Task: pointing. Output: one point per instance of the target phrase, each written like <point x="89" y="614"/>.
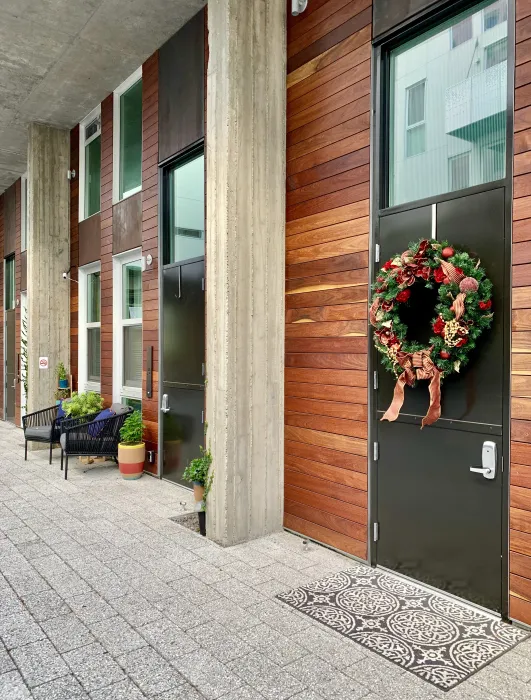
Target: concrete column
<point x="245" y="140"/>
<point x="48" y="258"/>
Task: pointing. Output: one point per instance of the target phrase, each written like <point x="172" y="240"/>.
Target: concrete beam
<point x="246" y="126"/>
<point x="48" y="258"/>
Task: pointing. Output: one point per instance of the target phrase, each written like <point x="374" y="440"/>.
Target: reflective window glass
<point x="131" y="140"/>
<point x="186" y="224"/>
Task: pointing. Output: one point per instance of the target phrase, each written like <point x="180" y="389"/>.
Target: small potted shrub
<point x="83" y="404"/>
<point x="62" y="376"/>
<point x="198" y="473"/>
<point x="132" y="449"/>
<point x="61" y="395"/>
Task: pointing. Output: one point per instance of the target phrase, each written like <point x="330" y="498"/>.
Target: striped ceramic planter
<point x="131" y="460"/>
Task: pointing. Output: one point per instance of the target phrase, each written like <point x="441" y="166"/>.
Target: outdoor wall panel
<point x="23" y="271"/>
<point x="127" y="222"/>
<point x="181" y="88"/>
<point x="18" y="307"/>
<point x="10" y="213"/>
<point x="90" y="240"/>
<point x="149" y="241"/>
<point x="74" y="255"/>
<point x="390" y="13"/>
<point x="520" y="496"/>
<point x="106" y="249"/>
<point x="327" y="231"/>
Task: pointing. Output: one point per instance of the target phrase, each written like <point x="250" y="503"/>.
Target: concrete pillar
<point x="246" y="122"/>
<point x="48" y="258"/>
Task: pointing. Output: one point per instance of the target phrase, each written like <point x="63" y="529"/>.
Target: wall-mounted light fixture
<point x="66" y="276"/>
<point x="298" y="6"/>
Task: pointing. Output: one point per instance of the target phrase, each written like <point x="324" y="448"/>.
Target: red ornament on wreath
<point x="462" y="313"/>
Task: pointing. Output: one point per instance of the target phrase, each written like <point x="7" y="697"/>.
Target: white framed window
<point x="89" y="328"/>
<point x="496" y="53"/>
<point x="459" y="171"/>
<point x="127" y="327"/>
<point x="416" y="119"/>
<point x="127" y="138"/>
<point x="24" y="212"/>
<point x="90" y="164"/>
<point x="461" y="32"/>
<point x="494" y="14"/>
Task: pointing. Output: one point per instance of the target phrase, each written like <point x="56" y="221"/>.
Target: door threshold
<point x="445" y="594"/>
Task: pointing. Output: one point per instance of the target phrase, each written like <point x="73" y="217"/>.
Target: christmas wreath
<point x="462" y="313"/>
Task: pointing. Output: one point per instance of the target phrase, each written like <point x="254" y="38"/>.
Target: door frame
<point x="165" y="166"/>
<point x="379" y="155"/>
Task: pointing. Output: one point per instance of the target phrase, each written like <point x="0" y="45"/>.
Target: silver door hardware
<point x="179" y="283"/>
<point x="375" y="380"/>
<point x="202" y="417"/>
<point x="376" y="532"/>
<point x="202" y="284"/>
<point x="377" y="253"/>
<point x="165" y="406"/>
<point x="203" y="369"/>
<point x="375" y="451"/>
<point x="488" y="461"/>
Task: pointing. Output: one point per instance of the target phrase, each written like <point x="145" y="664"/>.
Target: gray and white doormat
<point x="439" y="639"/>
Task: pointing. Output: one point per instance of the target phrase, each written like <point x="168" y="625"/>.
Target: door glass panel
<point x="93" y="297"/>
<point x="186" y="215"/>
<point x="448" y="98"/>
<point x="133" y="356"/>
<point x="131" y="140"/>
<point x="92" y="176"/>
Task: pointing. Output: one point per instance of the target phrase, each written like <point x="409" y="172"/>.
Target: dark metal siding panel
<point x="10" y="217"/>
<point x="23" y="271"/>
<point x="90" y="240"/>
<point x="388" y="14"/>
<point x="127" y="224"/>
<point x="181" y="88"/>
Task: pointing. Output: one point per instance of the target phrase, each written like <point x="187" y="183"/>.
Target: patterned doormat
<point x="439" y="639"/>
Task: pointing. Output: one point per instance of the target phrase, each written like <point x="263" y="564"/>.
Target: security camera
<point x="65" y="275"/>
<point x="298" y="6"/>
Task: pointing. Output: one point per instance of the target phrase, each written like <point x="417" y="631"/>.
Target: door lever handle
<point x="488" y="460"/>
<point x="165" y="404"/>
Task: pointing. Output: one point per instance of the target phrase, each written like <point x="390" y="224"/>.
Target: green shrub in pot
<point x="83" y="404"/>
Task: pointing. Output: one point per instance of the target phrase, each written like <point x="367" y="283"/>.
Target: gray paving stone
<point x="91" y="607"/>
<point x="515" y="665"/>
<point x="205" y="572"/>
<point x="136" y="609"/>
<point x="243" y="595"/>
<point x="208" y="675"/>
<point x="245" y="573"/>
<point x="67" y="632"/>
<point x="117" y="636"/>
<point x="182" y="692"/>
<point x="182" y="612"/>
<point x="111" y="586"/>
<point x="150" y="671"/>
<point x="193" y="590"/>
<point x="20" y="629"/>
<point x="45" y="605"/>
<point x="277" y="647"/>
<point x="12" y="687"/>
<point x="93" y="667"/>
<point x="39" y="662"/>
<point x="281" y="618"/>
<point x="326" y="680"/>
<point x="6" y="663"/>
<point x="32" y="550"/>
<point x="22" y="534"/>
<point x="168" y="639"/>
<point x="337" y="650"/>
<point x="65" y="688"/>
<point x="219" y="642"/>
<point x="124" y="690"/>
<point x="501" y="684"/>
<point x="266" y="677"/>
<point x="229" y="614"/>
<point x="244" y="692"/>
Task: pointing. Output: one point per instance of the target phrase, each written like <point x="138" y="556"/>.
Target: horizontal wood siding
<point x="106" y="247"/>
<point x="74" y="255"/>
<point x="150" y="242"/>
<point x="18" y="245"/>
<point x="520" y="489"/>
<point x="327" y="231"/>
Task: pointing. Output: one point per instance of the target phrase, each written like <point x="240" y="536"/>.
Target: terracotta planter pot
<point x="131" y="460"/>
<point x="199" y="492"/>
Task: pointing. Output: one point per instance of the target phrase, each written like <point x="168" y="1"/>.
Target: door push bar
<point x="488" y="460"/>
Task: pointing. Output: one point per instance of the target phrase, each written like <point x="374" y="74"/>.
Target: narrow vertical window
<point x="89" y="357"/>
<point x="90" y="165"/>
<point x="459" y="172"/>
<point x="9" y="295"/>
<point x="416" y="115"/>
<point x="128" y="137"/>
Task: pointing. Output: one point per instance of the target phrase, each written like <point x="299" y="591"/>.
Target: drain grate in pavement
<point x="188" y="520"/>
<point x="441" y="640"/>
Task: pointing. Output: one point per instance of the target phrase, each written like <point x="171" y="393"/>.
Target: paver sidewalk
<point x="102" y="597"/>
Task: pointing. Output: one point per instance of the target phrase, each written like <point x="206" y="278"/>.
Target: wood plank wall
<point x="106" y="248"/>
<point x="2" y="227"/>
<point x="520" y="489"/>
<point x="18" y="245"/>
<point x="150" y="241"/>
<point x="74" y="256"/>
<point x="328" y="118"/>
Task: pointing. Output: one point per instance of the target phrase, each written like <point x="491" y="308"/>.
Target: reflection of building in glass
<point x="448" y="107"/>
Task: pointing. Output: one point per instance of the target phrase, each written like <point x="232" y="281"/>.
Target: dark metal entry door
<point x="183" y="366"/>
<point x="439" y="522"/>
<point x="10" y="366"/>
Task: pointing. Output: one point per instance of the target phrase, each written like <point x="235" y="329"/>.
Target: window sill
<point x="129" y="193"/>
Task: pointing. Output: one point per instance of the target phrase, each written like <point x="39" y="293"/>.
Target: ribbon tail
<point x="434" y="410"/>
<point x="398" y="399"/>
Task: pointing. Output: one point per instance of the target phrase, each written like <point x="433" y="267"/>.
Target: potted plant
<point x="62" y="376"/>
<point x="61" y="395"/>
<point x="198" y="473"/>
<point x="132" y="449"/>
<point x="83" y="404"/>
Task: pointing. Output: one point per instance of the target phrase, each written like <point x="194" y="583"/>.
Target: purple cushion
<point x="61" y="411"/>
<point x="96" y="427"/>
